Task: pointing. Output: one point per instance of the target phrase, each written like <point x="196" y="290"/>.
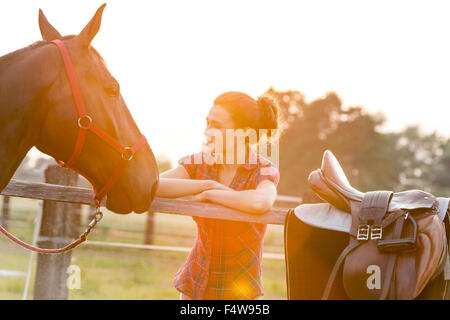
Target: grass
<point x="119" y="273"/>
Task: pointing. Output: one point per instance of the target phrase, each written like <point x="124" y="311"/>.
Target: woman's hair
<point x="248" y="112"/>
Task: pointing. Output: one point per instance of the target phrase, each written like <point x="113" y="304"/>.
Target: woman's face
<point x="219" y="133"/>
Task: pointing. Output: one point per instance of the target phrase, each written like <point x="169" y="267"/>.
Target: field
<point x="124" y="273"/>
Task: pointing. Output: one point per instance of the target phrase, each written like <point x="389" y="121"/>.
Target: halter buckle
<point x="127" y="153"/>
<point x="83" y="125"/>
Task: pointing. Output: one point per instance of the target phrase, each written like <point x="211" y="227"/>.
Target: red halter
<point x="85" y="123"/>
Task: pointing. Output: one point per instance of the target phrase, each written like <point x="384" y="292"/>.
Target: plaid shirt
<point x="225" y="262"/>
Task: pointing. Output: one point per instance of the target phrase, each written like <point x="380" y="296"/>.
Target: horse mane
<point x="15" y="54"/>
<point x="12" y="55"/>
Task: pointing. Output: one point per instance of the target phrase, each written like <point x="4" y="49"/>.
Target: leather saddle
<point x="397" y="241"/>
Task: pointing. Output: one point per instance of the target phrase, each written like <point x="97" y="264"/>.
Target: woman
<point x="225" y="262"/>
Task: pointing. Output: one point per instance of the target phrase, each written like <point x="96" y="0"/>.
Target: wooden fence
<point x="68" y="194"/>
<point x="60" y="226"/>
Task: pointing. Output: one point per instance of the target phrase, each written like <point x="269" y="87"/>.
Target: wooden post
<point x="60" y="225"/>
<point x="5" y="212"/>
<point x="149" y="227"/>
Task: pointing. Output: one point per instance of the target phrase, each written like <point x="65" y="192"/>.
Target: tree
<point x="422" y="159"/>
<point x="308" y="129"/>
<point x="440" y="173"/>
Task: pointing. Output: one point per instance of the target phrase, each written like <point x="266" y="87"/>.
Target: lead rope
<point x="98" y="216"/>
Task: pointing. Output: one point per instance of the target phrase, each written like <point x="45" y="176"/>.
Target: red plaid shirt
<point x="225" y="262"/>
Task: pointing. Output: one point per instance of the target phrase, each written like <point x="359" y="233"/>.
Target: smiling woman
<point x="228" y="252"/>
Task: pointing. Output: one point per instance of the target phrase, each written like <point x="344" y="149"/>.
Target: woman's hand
<point x="199" y="192"/>
<point x="215" y="185"/>
<point x="203" y="196"/>
<point x="200" y="197"/>
<point x="176" y="187"/>
<point x="257" y="201"/>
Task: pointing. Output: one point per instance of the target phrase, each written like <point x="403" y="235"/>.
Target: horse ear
<point x="48" y="32"/>
<point x="90" y="30"/>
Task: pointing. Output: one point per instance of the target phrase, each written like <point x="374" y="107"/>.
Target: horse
<point x="38" y="107"/>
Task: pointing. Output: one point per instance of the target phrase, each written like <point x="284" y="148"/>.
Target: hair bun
<point x="270" y="111"/>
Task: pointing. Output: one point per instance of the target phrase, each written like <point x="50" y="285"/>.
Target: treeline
<point x="409" y="159"/>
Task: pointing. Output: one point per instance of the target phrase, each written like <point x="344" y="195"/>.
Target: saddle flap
<point x="324" y="216"/>
<point x="412" y="199"/>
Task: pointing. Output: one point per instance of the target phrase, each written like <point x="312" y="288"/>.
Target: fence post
<point x="5" y="212"/>
<point x="60" y="225"/>
<point x="149" y="227"/>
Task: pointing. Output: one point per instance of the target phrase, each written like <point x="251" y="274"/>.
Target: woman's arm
<point x="256" y="201"/>
<point x="175" y="188"/>
<point x="175" y="183"/>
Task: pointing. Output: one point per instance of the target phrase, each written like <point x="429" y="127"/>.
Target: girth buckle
<point x="376" y="232"/>
<point x="366" y="231"/>
<point x="363" y="232"/>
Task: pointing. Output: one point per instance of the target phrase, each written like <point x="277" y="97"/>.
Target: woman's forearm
<point x="251" y="201"/>
<point x="175" y="188"/>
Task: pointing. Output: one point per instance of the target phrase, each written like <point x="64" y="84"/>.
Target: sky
<point x="172" y="58"/>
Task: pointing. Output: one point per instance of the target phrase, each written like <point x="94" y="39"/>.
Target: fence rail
<point x="61" y="200"/>
<point x="53" y="192"/>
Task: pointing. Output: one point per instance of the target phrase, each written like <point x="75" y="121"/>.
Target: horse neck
<point x="24" y="76"/>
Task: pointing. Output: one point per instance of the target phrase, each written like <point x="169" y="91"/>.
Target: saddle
<point x="397" y="241"/>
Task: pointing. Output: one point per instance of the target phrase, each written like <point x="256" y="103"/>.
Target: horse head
<point x="105" y="107"/>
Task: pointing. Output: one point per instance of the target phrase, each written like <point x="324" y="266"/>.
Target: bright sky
<point x="172" y="58"/>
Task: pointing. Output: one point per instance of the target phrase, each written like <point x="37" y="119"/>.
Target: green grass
<point x="119" y="273"/>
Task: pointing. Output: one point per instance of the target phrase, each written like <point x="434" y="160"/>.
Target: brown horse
<point x="37" y="109"/>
